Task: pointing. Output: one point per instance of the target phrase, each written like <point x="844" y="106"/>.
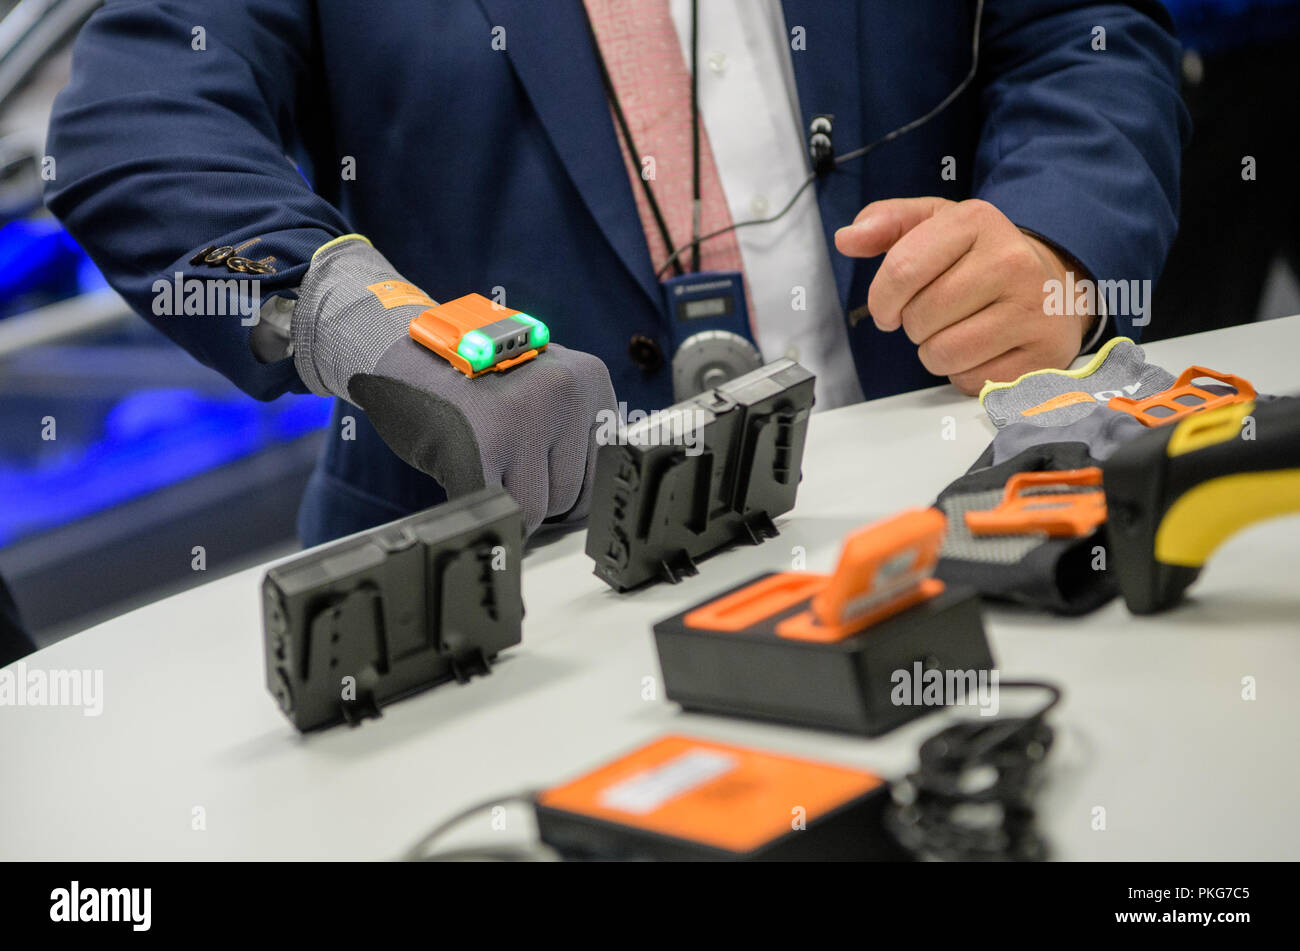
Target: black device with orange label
<point x="828" y="650"/>
<point x="703" y="474"/>
<point x="685" y="799"/>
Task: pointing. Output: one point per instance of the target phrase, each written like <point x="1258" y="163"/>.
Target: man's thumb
<point x="878" y="226"/>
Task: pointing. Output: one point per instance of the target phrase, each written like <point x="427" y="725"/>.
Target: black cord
<point x="744" y="224"/>
<point x="419" y="852"/>
<point x="970" y="798"/>
<point x="944" y="103"/>
<point x="610" y="94"/>
<point x="695" y="135"/>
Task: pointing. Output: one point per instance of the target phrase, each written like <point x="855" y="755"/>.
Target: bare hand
<point x="966" y="286"/>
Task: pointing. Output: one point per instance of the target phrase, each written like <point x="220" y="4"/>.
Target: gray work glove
<point x="530" y="429"/>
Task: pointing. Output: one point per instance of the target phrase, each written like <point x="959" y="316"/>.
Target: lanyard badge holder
<point x="710" y="330"/>
<point x="705" y="355"/>
<point x="707" y="314"/>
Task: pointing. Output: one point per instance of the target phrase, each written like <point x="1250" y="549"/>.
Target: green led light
<point x="477" y="349"/>
<point x="539" y="335"/>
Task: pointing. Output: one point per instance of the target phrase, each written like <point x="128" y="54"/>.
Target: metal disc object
<point x="710" y="358"/>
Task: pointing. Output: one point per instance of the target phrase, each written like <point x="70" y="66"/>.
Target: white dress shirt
<point x="750" y="109"/>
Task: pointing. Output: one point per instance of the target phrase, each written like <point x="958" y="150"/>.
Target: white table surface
<point x="1153" y="728"/>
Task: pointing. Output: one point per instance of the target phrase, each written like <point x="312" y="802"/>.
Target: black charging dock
<point x="857" y="651"/>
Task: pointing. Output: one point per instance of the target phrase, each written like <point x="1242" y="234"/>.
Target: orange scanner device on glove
<point x="831" y="651"/>
<point x="477" y="336"/>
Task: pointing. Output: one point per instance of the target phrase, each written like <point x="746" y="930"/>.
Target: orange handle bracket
<point x="1184" y="398"/>
<point x="883" y="569"/>
<point x="1060" y="515"/>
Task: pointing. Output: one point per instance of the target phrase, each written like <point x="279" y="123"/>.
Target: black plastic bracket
<point x="659" y="506"/>
<point x="356" y="624"/>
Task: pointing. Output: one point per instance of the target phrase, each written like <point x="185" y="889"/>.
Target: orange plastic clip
<point x="883" y="569"/>
<point x="1060" y="515"/>
<point x="1184" y="398"/>
<point x="756" y="602"/>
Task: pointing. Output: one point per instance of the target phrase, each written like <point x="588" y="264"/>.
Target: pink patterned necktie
<point x="653" y="81"/>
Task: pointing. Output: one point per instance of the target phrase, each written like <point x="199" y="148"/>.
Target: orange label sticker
<point x="399" y="294"/>
<point x="1057" y="402"/>
<point x="725" y="796"/>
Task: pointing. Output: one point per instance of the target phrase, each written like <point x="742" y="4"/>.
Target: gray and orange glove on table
<point x="1053" y="421"/>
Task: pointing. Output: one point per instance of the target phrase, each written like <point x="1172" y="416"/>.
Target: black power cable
<point x="970" y="798"/>
<point x="527" y="852"/>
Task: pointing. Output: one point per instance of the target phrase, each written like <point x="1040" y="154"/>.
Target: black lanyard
<point x="636" y="156"/>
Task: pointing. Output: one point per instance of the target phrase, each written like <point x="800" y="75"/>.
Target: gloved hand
<point x="530" y="429"/>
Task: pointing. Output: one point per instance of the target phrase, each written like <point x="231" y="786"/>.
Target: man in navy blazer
<point x="468" y="144"/>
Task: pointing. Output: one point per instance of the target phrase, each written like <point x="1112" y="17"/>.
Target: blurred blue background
<point x="119" y="454"/>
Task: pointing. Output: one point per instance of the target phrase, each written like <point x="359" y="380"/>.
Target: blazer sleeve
<point x="174" y="134"/>
<point x="1082" y="144"/>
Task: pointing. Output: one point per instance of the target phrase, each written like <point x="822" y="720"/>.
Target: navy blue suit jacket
<point x="477" y="167"/>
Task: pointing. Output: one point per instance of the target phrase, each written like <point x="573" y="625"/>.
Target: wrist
<point x="1069" y="272"/>
<point x="352" y="306"/>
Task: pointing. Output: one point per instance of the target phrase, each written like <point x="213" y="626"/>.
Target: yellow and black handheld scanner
<point x="1176" y="493"/>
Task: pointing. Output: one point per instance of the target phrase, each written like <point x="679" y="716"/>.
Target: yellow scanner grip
<point x="1206" y="516"/>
